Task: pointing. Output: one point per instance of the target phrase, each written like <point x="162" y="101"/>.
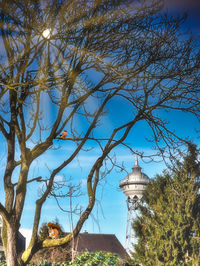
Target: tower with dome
<point x="133" y="186"/>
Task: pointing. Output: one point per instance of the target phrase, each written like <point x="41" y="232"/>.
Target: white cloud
<point x="59" y="178"/>
<point x="83" y="182"/>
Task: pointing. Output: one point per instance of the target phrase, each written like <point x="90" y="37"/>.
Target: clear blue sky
<point x="111" y="209"/>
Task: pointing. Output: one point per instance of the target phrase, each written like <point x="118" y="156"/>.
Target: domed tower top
<point x="134" y="183"/>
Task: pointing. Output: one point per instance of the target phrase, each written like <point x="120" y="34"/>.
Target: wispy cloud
<point x="83" y="182"/>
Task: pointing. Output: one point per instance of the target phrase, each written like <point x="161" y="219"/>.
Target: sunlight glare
<point x="46" y="34"/>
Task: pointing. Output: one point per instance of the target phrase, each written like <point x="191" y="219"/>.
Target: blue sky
<point x="111" y="209"/>
<point x="191" y="7"/>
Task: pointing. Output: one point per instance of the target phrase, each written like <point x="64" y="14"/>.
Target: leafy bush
<point x="46" y="263"/>
<point x="99" y="258"/>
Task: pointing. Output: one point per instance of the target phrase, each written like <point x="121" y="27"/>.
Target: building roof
<point x="100" y="242"/>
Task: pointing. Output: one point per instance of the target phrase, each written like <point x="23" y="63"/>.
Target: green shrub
<point x="99" y="258"/>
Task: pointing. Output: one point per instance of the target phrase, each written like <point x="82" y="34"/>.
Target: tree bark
<point x="11" y="249"/>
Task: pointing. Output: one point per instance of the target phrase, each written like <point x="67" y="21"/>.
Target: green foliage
<point x="97" y="258"/>
<point x="43" y="232"/>
<point x="47" y="263"/>
<point x="168" y="229"/>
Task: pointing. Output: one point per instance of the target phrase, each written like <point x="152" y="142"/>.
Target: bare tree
<point x="116" y="53"/>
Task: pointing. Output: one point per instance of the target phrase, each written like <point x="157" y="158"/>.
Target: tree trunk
<point x="11" y="249"/>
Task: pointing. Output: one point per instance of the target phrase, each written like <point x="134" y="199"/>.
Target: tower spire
<point x="136" y="167"/>
<point x="136" y="160"/>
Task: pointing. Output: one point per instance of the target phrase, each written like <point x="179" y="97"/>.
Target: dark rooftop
<point x="100" y="242"/>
